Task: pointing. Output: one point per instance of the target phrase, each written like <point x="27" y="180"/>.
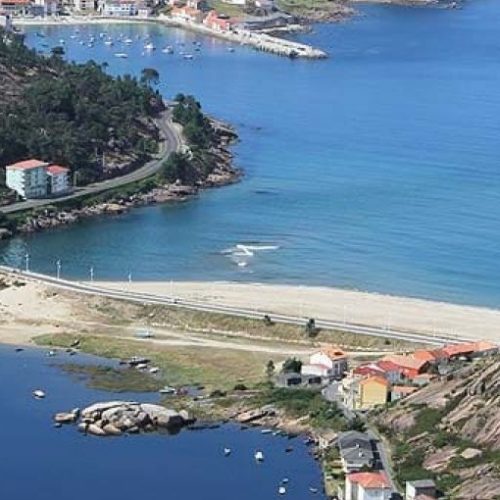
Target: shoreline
<point x="415" y="315"/>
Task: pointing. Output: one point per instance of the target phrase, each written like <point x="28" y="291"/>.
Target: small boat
<point x="128" y="41"/>
<point x="121" y="55"/>
<point x="51" y="354"/>
<point x="141" y="366"/>
<point x="19" y="349"/>
<point x="227" y="452"/>
<point x="61" y="41"/>
<point x="149" y="46"/>
<point x="38" y="394"/>
<point x="167" y="390"/>
<point x="289" y="449"/>
<point x="230" y="49"/>
<point x="90" y="44"/>
<point x="259" y="456"/>
<point x="281" y="490"/>
<point x="313" y="490"/>
<point x="108" y="43"/>
<point x="188" y="56"/>
<point x="168" y="50"/>
<point x="285" y="480"/>
<point x="154" y="369"/>
<point x="41" y="35"/>
<point x="266" y="431"/>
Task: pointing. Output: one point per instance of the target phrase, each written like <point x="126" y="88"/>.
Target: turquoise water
<point x="377" y="169"/>
<point x="40" y="462"/>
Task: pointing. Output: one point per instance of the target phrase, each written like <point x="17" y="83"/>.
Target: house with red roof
<point x="16" y="7"/>
<point x="468" y="350"/>
<point x="58" y="181"/>
<point x="329" y="362"/>
<point x="27" y="178"/>
<point x="367" y="486"/>
<point x="407" y="365"/>
<point x="213" y="21"/>
<point x="186" y="14"/>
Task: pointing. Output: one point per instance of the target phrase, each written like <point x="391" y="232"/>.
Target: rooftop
<point x="406" y="361"/>
<point x="422" y="483"/>
<point x="370" y="480"/>
<point x="333" y="352"/>
<point x="27" y="164"/>
<point x="57" y="169"/>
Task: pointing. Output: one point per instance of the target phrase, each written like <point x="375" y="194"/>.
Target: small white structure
<point x="235" y="2"/>
<point x="6" y="22"/>
<point x="27" y="178"/>
<point x="367" y="486"/>
<point x="16" y="7"/>
<point x="57" y="180"/>
<point x="119" y="8"/>
<point x="330" y="362"/>
<point x="420" y="488"/>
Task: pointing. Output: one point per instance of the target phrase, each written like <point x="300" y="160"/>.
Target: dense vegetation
<point x="195" y="165"/>
<point x="72" y="114"/>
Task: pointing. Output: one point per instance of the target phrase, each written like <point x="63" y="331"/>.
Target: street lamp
<point x="130" y="278"/>
<point x="92" y="274"/>
<point x="58" y="268"/>
<point x="27" y="262"/>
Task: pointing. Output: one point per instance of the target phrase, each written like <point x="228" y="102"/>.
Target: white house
<point x="422" y="488"/>
<point x="330" y="362"/>
<point x="367" y="486"/>
<point x="117" y="8"/>
<point x="28" y="178"/>
<point x="58" y="181"/>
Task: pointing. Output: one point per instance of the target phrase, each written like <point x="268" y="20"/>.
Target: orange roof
<point x="27" y="164"/>
<point x="370" y="480"/>
<point x="375" y="378"/>
<point x="483" y="345"/>
<point x="57" y="169"/>
<point x="403" y="389"/>
<point x="468" y="347"/>
<point x="15" y="2"/>
<point x="405" y="361"/>
<point x="424" y="355"/>
<point x="333" y="352"/>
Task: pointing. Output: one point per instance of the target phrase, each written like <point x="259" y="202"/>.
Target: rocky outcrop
<point x="114" y="418"/>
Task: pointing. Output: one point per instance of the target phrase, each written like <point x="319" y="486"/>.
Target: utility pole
<point x="129" y="278"/>
<point x="27" y="262"/>
<point x="58" y="269"/>
<point x="92" y="274"/>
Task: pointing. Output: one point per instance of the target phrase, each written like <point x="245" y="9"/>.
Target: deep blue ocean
<point x="40" y="462"/>
<point x="377" y="169"/>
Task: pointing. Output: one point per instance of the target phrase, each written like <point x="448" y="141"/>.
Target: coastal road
<point x="145" y="298"/>
<point x="171" y="141"/>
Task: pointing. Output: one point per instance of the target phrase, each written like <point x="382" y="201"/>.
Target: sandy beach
<point x="416" y="315"/>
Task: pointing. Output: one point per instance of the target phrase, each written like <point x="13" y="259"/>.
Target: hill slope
<point x="450" y="430"/>
<point x="73" y="114"/>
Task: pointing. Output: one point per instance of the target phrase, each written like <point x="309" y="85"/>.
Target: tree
<point x="149" y="76"/>
<point x="357" y="424"/>
<point x="292" y="365"/>
<point x="311" y="330"/>
<point x="270" y="368"/>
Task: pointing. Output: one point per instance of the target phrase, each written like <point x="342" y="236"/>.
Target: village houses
<point x="329" y="363"/>
<point x="367" y="486"/>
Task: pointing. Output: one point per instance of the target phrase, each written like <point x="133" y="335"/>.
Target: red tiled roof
<point x="333" y="352"/>
<point x="424" y="355"/>
<point x="406" y="361"/>
<point x="370" y="480"/>
<point x="27" y="164"/>
<point x="371" y="369"/>
<point x="467" y="348"/>
<point x="57" y="169"/>
<point x="387" y="366"/>
<point x="15" y="2"/>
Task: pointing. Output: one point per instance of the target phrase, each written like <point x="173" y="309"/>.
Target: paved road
<point x="171" y="142"/>
<point x="95" y="289"/>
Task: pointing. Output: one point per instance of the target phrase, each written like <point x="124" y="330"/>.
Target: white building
<point x="235" y="2"/>
<point x="27" y="178"/>
<point x="46" y="7"/>
<point x="117" y="8"/>
<point x="58" y="181"/>
<point x="84" y="5"/>
<point x="6" y="22"/>
<point x="330" y="362"/>
<point x="420" y="489"/>
<point x="367" y="486"/>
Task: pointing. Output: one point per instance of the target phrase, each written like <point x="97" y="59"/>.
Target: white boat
<point x="167" y="390"/>
<point x="122" y="55"/>
<point x="128" y="41"/>
<point x="108" y="42"/>
<point x="188" y="56"/>
<point x="259" y="456"/>
<point x="227" y="452"/>
<point x="281" y="490"/>
<point x="168" y="50"/>
<point x="266" y="431"/>
<point x="38" y="394"/>
<point x="51" y="353"/>
<point x="141" y="366"/>
<point x="230" y="49"/>
<point x="154" y="369"/>
<point x="149" y="46"/>
<point x="61" y="41"/>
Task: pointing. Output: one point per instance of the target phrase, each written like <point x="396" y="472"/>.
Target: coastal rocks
<point x="114" y="418"/>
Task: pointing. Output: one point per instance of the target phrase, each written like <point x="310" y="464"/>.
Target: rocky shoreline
<point x="224" y="174"/>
